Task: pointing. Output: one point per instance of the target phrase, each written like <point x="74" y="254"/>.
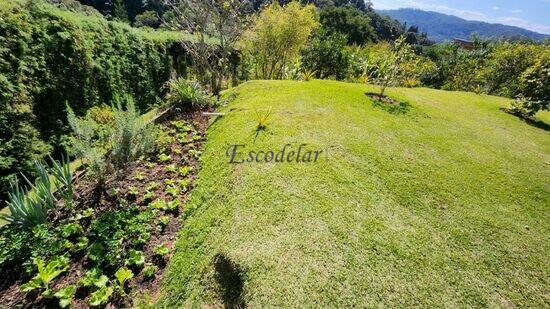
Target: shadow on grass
<point x="529" y="120"/>
<point x="388" y="104"/>
<point x="228" y="277"/>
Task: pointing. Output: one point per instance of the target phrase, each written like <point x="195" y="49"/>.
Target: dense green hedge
<point x="50" y="57"/>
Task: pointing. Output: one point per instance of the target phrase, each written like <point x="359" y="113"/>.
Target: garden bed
<point x="130" y="224"/>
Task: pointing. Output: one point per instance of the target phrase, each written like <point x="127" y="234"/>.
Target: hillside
<point x="442" y="205"/>
<point x="442" y="27"/>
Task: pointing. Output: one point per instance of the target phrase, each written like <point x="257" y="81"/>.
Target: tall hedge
<point x="50" y="57"/>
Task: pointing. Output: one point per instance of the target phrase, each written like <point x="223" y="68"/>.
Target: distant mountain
<point x="442" y="27"/>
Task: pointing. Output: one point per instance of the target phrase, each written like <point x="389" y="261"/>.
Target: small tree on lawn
<point x="389" y="68"/>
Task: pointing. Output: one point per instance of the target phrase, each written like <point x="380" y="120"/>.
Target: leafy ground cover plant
<point x="47" y="272"/>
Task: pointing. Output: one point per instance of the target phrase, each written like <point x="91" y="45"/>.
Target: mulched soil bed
<point x="86" y="197"/>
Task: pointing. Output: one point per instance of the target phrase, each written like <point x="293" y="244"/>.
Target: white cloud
<point x="495" y="8"/>
<point x="466" y="14"/>
<point x="522" y="23"/>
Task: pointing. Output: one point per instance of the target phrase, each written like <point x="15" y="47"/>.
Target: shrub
<point x="90" y="142"/>
<point x="110" y="140"/>
<point x="506" y="64"/>
<point x="132" y="137"/>
<point x="276" y="38"/>
<point x="389" y="69"/>
<point x="535" y="86"/>
<point x="184" y="93"/>
<point x="327" y="56"/>
<point x="147" y="19"/>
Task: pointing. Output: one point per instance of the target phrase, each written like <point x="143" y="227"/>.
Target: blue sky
<point x="530" y="14"/>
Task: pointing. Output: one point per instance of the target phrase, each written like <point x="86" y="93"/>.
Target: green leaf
<point x="136" y="258"/>
<point x="94" y="278"/>
<point x="70" y="229"/>
<point x="122" y="275"/>
<point x="149" y="270"/>
<point x="65" y="295"/>
<point x="82" y="243"/>
<point x="162" y="250"/>
<point x="46" y="273"/>
<point x="101" y="296"/>
<point x="33" y="284"/>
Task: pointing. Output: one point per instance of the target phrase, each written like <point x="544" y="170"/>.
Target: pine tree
<point x="119" y="10"/>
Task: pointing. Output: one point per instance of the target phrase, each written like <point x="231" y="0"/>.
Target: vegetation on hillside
<point x="357" y="221"/>
<point x="50" y="57"/>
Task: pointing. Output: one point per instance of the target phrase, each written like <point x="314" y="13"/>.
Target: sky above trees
<point x="529" y="14"/>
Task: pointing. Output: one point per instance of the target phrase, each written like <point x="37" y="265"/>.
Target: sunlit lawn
<point x="445" y="205"/>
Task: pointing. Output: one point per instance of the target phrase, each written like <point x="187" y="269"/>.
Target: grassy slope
<point x="447" y="205"/>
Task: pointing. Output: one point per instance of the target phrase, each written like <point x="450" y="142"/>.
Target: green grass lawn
<point x="446" y="205"/>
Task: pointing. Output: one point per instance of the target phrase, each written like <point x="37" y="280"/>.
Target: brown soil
<point x="87" y="197"/>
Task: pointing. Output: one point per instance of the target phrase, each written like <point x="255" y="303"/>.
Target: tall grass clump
<point x="186" y="94"/>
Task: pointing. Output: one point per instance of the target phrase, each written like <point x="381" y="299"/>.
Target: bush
<point x="147" y="19"/>
<point x="505" y="65"/>
<point x="327" y="56"/>
<point x="390" y="68"/>
<point x="535" y="86"/>
<point x="115" y="138"/>
<point x="184" y="93"/>
<point x="276" y="38"/>
<point x="90" y="142"/>
<point x="50" y="56"/>
<point x="132" y="136"/>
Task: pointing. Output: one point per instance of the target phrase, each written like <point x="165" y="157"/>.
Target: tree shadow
<point x="228" y="278"/>
<point x="529" y="120"/>
<point x="388" y="104"/>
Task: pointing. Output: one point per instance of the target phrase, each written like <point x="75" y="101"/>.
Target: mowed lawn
<point x="445" y="205"/>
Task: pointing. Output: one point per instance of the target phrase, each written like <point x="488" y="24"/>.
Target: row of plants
<point x="110" y="233"/>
